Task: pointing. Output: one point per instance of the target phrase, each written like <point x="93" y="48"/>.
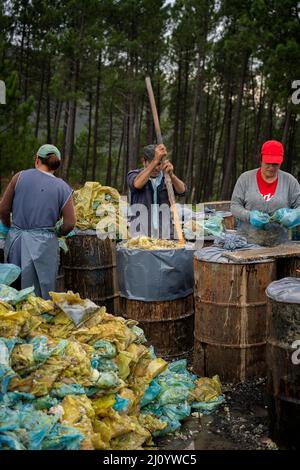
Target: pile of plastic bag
<point x="100" y="208"/>
<point x="148" y="243"/>
<point x="86" y="380"/>
<point x="199" y="228"/>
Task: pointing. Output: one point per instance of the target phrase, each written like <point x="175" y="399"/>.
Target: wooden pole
<point x="168" y="181"/>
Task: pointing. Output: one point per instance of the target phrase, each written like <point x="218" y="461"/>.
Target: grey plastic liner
<point x="155" y="275"/>
<point x="214" y="254"/>
<point x="285" y="290"/>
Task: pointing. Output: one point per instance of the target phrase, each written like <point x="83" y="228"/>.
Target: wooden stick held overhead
<point x="168" y="181"/>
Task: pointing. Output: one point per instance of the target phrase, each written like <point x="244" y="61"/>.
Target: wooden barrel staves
<point x="283" y="360"/>
<point x="168" y="325"/>
<point x="156" y="289"/>
<point x="60" y="278"/>
<point x="230" y="318"/>
<point x="90" y="269"/>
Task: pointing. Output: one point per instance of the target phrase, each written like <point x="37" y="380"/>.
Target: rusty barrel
<point x="156" y="289"/>
<point x="230" y="316"/>
<point x="90" y="269"/>
<point x="60" y="278"/>
<point x="168" y="326"/>
<point x="288" y="267"/>
<point x="283" y="360"/>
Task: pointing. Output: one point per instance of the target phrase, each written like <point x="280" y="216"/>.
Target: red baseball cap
<point x="272" y="152"/>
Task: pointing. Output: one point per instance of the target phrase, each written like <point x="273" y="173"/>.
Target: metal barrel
<point x="168" y="325"/>
<point x="156" y="289"/>
<point x="283" y="361"/>
<point x="230" y="318"/>
<point x="287" y="267"/>
<point x="90" y="269"/>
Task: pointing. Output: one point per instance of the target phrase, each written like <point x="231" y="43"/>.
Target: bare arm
<point x="178" y="185"/>
<point x="7" y="201"/>
<point x="69" y="218"/>
<point x="143" y="176"/>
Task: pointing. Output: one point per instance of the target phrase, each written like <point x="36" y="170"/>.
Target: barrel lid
<point x="215" y="254"/>
<point x="285" y="290"/>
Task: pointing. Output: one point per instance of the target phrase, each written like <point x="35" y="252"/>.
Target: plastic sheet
<point x="285" y="290"/>
<point x="155" y="275"/>
<point x="196" y="229"/>
<point x="9" y="273"/>
<point x="271" y="234"/>
<point x="13" y="296"/>
<point x="96" y="403"/>
<point x="73" y="306"/>
<point x="215" y="254"/>
<point x="100" y="207"/>
<point x="230" y="241"/>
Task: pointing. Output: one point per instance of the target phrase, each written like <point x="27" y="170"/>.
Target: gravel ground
<point x="241" y="423"/>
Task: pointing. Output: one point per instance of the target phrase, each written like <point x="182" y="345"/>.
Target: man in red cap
<point x="267" y="195"/>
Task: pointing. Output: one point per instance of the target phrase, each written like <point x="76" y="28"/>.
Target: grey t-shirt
<point x="246" y="195"/>
<point x="39" y="199"/>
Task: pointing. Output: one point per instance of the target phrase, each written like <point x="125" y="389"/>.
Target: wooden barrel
<point x="90" y="269"/>
<point x="288" y="267"/>
<point x="168" y="325"/>
<point x="230" y="318"/>
<point x="60" y="278"/>
<point x="284" y="371"/>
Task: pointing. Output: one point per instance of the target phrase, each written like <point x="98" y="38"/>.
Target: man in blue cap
<point x="31" y="206"/>
<point x="148" y="189"/>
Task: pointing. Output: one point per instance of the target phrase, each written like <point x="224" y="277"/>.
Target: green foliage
<point x="49" y="54"/>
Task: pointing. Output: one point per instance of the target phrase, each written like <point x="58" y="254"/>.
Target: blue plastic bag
<point x="9" y="273"/>
<point x="121" y="404"/>
<point x="150" y="394"/>
<point x="3" y="230"/>
<point x="208" y="407"/>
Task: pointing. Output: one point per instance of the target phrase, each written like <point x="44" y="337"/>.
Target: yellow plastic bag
<point x="206" y="389"/>
<point x="79" y="413"/>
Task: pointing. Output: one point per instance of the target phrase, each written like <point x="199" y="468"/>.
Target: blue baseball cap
<point x="47" y="149"/>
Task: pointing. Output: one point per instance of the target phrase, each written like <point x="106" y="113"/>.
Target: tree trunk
<point x="177" y="113"/>
<point x="88" y="144"/>
<point x="48" y="106"/>
<point x="287" y="122"/>
<point x="109" y="163"/>
<point x="96" y="121"/>
<point x="70" y="131"/>
<point x="226" y="186"/>
<point x="38" y="112"/>
<point x="58" y="110"/>
<point x="269" y="131"/>
<point x="196" y="109"/>
<point x="119" y="154"/>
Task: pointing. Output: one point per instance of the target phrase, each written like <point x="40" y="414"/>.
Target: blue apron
<point x="36" y="251"/>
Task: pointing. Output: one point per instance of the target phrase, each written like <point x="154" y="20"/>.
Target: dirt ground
<point x="241" y="423"/>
